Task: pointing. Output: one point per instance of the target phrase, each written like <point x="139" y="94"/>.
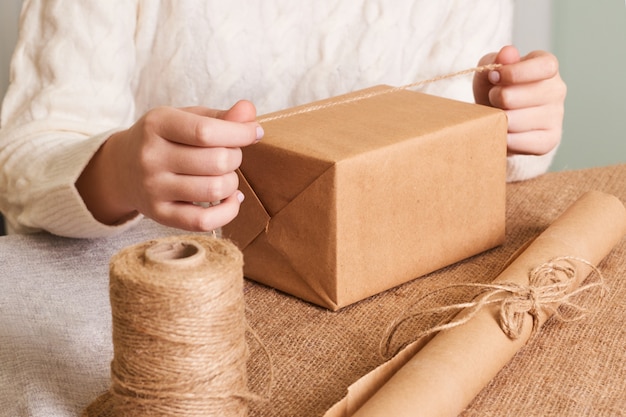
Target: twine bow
<point x="549" y="292"/>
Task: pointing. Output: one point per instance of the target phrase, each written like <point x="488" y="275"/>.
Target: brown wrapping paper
<point x="440" y="375"/>
<point x="313" y="225"/>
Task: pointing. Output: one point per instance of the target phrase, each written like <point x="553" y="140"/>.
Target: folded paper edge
<point x="252" y="220"/>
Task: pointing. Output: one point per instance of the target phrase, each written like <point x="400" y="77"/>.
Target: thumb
<point x="242" y="111"/>
<point x="483" y="81"/>
<point x="481" y="84"/>
<point x="507" y="55"/>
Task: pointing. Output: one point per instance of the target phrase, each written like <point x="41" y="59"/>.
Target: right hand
<point x="531" y="92"/>
<point x="169" y="159"/>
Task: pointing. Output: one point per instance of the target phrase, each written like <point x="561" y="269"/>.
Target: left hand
<point x="531" y="92"/>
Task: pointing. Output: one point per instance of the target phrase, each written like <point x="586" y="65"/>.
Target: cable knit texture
<point x="82" y="70"/>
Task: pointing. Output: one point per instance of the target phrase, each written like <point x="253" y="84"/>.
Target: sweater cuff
<point x="60" y="209"/>
<point x="524" y="167"/>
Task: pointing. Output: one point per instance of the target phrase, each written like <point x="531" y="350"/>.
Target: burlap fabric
<point x="55" y="329"/>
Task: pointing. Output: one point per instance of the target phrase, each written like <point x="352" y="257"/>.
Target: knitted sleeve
<point x="70" y="88"/>
<point x="524" y="167"/>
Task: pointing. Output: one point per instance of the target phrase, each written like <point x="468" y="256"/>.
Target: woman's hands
<point x="531" y="92"/>
<point x="166" y="161"/>
<point x="171" y="158"/>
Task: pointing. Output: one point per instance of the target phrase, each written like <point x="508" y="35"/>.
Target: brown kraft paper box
<point x="346" y="201"/>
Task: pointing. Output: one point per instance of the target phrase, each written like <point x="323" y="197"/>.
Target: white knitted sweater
<point x="83" y="69"/>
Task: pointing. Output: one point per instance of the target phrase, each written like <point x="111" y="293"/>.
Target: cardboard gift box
<point x="366" y="191"/>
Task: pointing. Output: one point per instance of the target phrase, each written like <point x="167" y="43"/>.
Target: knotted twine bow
<point x="548" y="292"/>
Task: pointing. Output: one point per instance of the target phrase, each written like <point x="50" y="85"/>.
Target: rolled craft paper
<point x="444" y="376"/>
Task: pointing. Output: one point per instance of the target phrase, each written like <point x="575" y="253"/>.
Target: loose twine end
<point x="548" y="293"/>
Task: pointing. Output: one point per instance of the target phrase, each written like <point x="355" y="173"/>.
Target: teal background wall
<point x="589" y="38"/>
<point x="9" y="15"/>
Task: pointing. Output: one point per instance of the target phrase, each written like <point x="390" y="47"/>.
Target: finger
<point x="188" y="128"/>
<point x="506" y="56"/>
<point x="536" y="66"/>
<point x="533" y="142"/>
<point x="513" y="97"/>
<point x="195" y="218"/>
<point x="198" y="189"/>
<point x="525" y="95"/>
<point x="481" y="83"/>
<point x="534" y="118"/>
<point x="193" y="160"/>
<point x="488" y="59"/>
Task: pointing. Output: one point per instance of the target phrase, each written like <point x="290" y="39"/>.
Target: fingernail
<point x="240" y="196"/>
<point x="494" y="77"/>
<point x="259" y="133"/>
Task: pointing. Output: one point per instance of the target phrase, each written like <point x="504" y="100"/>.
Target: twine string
<point x="364" y="95"/>
<point x="549" y="292"/>
<point x="179" y="337"/>
<point x="268" y="357"/>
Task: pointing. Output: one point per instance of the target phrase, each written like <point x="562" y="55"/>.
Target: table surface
<point x="55" y="325"/>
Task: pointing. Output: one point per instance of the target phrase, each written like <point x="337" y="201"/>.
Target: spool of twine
<point x="178" y="331"/>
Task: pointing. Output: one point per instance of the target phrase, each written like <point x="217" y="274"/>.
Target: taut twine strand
<point x="178" y="331"/>
<point x="548" y="292"/>
<point x="364" y="95"/>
